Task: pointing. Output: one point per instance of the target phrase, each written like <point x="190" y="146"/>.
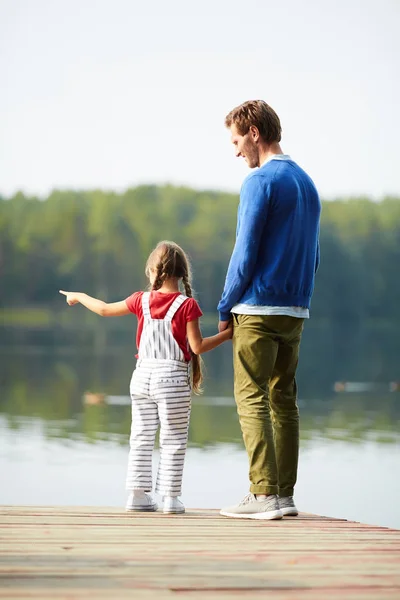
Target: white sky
<point x="113" y="93"/>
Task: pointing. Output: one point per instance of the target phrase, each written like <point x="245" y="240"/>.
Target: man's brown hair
<point x="259" y="114"/>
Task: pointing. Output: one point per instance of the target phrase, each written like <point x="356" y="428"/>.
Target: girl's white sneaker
<point x="172" y="505"/>
<point x="139" y="500"/>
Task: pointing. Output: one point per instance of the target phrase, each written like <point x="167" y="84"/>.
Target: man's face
<point x="246" y="146"/>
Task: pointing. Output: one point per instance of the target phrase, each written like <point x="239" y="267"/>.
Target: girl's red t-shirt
<point x="159" y="305"/>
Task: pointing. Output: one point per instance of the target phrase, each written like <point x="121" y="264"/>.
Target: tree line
<point x="98" y="242"/>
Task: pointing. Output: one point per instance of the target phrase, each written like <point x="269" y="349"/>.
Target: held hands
<point x="226" y="327"/>
<point x="71" y="297"/>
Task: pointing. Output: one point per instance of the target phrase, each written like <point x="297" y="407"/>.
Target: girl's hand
<point x="71" y="297"/>
<point x="229" y="331"/>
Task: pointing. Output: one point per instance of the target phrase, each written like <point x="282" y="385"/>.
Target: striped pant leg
<point x="143" y="432"/>
<point x="174" y="413"/>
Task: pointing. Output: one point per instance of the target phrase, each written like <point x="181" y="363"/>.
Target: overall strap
<point x="177" y="303"/>
<point x="146" y="305"/>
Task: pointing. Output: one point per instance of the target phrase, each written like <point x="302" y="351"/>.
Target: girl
<point x="169" y="340"/>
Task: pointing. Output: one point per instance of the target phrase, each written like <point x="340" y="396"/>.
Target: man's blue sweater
<point x="276" y="253"/>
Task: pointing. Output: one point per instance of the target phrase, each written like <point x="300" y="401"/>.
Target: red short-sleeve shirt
<point x="159" y="305"/>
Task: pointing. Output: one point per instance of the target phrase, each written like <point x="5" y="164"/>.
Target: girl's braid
<point x="160" y="277"/>
<point x="187" y="286"/>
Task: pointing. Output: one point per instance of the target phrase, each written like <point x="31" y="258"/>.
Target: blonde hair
<point x="259" y="114"/>
<point x="169" y="260"/>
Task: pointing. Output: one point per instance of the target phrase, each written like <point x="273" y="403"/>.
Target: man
<point x="268" y="288"/>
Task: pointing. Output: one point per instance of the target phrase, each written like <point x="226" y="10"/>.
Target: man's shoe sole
<point x="151" y="508"/>
<point x="176" y="511"/>
<point x="289" y="512"/>
<point x="265" y="516"/>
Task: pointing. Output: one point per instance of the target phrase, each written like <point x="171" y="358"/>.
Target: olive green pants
<point x="265" y="357"/>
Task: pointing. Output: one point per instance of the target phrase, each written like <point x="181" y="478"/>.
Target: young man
<point x="268" y="288"/>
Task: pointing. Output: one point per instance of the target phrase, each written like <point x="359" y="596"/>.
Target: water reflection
<point x="58" y="448"/>
<point x="212" y="423"/>
<point x="85" y="397"/>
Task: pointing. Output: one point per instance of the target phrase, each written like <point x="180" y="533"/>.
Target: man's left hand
<point x="222" y="325"/>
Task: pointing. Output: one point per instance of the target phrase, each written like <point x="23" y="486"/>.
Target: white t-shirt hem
<point x="288" y="311"/>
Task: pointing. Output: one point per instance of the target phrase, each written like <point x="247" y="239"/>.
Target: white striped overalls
<point x="160" y="392"/>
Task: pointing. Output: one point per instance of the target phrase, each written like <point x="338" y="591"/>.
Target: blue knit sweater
<point x="276" y="254"/>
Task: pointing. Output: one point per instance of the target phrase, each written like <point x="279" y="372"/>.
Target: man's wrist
<point x="225" y="316"/>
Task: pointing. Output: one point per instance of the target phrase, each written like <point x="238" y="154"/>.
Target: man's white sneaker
<point x="287" y="506"/>
<point x="173" y="505"/>
<point x="139" y="500"/>
<point x="251" y="508"/>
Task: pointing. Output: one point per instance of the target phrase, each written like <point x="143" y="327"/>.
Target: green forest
<point x="98" y="242"/>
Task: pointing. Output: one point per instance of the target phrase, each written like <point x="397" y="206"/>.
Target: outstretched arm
<point x="104" y="309"/>
<point x="198" y="344"/>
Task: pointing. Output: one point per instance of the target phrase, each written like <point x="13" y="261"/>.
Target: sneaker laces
<point x="248" y="498"/>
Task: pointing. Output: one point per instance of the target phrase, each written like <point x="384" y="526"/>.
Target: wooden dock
<point x="54" y="553"/>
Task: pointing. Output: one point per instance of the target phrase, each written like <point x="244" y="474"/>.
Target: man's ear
<point x="255" y="134"/>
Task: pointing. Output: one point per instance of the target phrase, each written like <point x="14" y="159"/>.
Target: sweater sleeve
<point x="317" y="258"/>
<point x="252" y="216"/>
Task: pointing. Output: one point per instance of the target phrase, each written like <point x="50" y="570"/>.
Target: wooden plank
<point x="82" y="552"/>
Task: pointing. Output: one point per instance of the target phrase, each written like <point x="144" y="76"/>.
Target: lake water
<point x="57" y="450"/>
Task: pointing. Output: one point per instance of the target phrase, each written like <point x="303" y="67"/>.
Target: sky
<point x="116" y="93"/>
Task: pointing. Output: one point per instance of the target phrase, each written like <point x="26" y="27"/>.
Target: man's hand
<point x="222" y="325"/>
<point x="228" y="332"/>
<point x="71" y="297"/>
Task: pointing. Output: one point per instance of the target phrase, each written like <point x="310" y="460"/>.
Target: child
<point x="169" y="340"/>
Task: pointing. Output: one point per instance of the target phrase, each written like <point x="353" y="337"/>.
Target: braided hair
<point x="169" y="260"/>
